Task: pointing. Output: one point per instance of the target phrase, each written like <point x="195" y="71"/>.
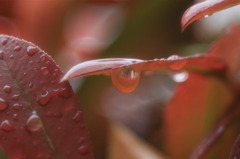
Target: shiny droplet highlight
<point x="31" y="50"/>
<point x="180" y="77"/>
<point x="44" y="98"/>
<point x="7" y="89"/>
<point x="3" y="104"/>
<point x="177" y="62"/>
<point x="6" y="126"/>
<point x="126" y="79"/>
<point x="33" y="123"/>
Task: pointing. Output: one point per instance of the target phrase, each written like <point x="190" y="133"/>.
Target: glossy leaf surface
<point x="39" y="117"/>
<point x="205" y="9"/>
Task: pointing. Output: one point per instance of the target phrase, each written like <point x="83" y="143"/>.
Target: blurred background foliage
<point x="72" y="31"/>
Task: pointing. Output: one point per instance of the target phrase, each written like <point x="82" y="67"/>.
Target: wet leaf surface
<point x="39" y="117"/>
<point x="204" y="9"/>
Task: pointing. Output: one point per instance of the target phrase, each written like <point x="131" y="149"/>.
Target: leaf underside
<point x="203" y="9"/>
<point x="39" y="117"/>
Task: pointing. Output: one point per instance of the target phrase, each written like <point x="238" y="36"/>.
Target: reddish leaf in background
<point x="39" y="117"/>
<point x="205" y="9"/>
<point x="8" y="27"/>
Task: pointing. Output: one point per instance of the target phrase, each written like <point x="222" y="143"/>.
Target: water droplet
<point x="6" y="126"/>
<point x="30" y="85"/>
<point x="1" y="54"/>
<point x="44" y="98"/>
<point x="11" y="56"/>
<point x="15" y="97"/>
<point x="84" y="149"/>
<point x="4" y="41"/>
<point x="180" y="77"/>
<point x="42" y="57"/>
<point x="17" y="48"/>
<point x="178" y="64"/>
<point x="63" y="92"/>
<point x="44" y="70"/>
<point x="33" y="123"/>
<point x="30" y="62"/>
<point x="7" y="89"/>
<point x="206" y="16"/>
<point x="17" y="106"/>
<point x="125" y="79"/>
<point x="3" y="104"/>
<point x="78" y="116"/>
<point x="31" y="50"/>
<point x="15" y="117"/>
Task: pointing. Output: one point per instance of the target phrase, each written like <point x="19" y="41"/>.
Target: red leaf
<point x="235" y="152"/>
<point x="39" y="117"/>
<point x="204" y="9"/>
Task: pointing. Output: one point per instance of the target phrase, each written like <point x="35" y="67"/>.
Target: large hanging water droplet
<point x="3" y="104"/>
<point x="33" y="123"/>
<point x="180" y="77"/>
<point x="17" y="48"/>
<point x="126" y="79"/>
<point x="178" y="64"/>
<point x="31" y="50"/>
<point x="44" y="98"/>
<point x="6" y="126"/>
<point x="7" y="89"/>
<point x="44" y="70"/>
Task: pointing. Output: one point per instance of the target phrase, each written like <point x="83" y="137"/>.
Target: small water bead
<point x="30" y="85"/>
<point x="4" y="41"/>
<point x="84" y="149"/>
<point x="178" y="64"/>
<point x="6" y="126"/>
<point x="44" y="98"/>
<point x="63" y="92"/>
<point x="44" y="70"/>
<point x="17" y="106"/>
<point x="15" y="117"/>
<point x="15" y="97"/>
<point x="11" y="56"/>
<point x="33" y="123"/>
<point x="7" y="89"/>
<point x="1" y="54"/>
<point x="126" y="79"/>
<point x="30" y="62"/>
<point x="17" y="48"/>
<point x="42" y="57"/>
<point x="180" y="77"/>
<point x="31" y="50"/>
<point x="206" y="16"/>
<point x="3" y="104"/>
<point x="77" y="117"/>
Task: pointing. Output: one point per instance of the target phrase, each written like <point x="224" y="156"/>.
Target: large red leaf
<point x="39" y="116"/>
<point x="204" y="9"/>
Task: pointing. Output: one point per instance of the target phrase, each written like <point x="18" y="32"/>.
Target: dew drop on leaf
<point x="180" y="77"/>
<point x="44" y="70"/>
<point x="44" y="98"/>
<point x="77" y="117"/>
<point x="6" y="126"/>
<point x="4" y="41"/>
<point x="7" y="89"/>
<point x="11" y="56"/>
<point x="42" y="57"/>
<point x="15" y="97"/>
<point x="33" y="123"/>
<point x="17" y="106"/>
<point x="126" y="79"/>
<point x="1" y="54"/>
<point x="17" y="48"/>
<point x="62" y="92"/>
<point x="30" y="85"/>
<point x="83" y="149"/>
<point x="176" y="65"/>
<point x="3" y="104"/>
<point x="31" y="50"/>
<point x="206" y="16"/>
<point x="15" y="117"/>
